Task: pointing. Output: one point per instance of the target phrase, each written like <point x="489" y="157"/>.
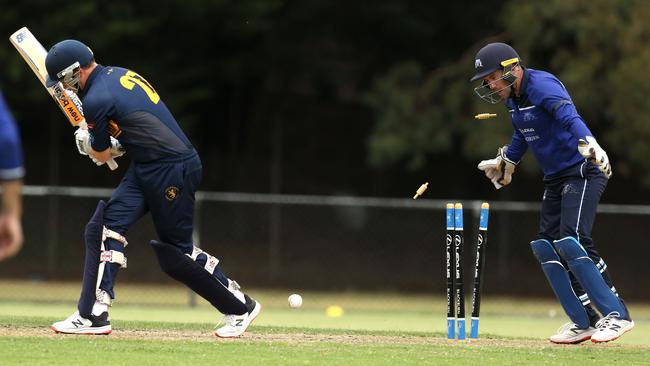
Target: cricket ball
<point x="295" y="301"/>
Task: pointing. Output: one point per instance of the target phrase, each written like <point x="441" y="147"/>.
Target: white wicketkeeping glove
<point x="590" y="149"/>
<point x="499" y="170"/>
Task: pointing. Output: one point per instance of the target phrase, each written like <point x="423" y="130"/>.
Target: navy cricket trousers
<point x="569" y="209"/>
<point x="165" y="188"/>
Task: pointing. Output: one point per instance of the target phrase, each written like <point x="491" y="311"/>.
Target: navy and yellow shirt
<point x="120" y="103"/>
<point x="546" y="121"/>
<point x="11" y="154"/>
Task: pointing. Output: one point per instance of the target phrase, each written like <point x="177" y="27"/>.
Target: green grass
<point x="106" y="351"/>
<point x="376" y="329"/>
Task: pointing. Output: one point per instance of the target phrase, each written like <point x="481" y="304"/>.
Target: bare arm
<point x="12" y="198"/>
<point x="102" y="156"/>
<point x="11" y="231"/>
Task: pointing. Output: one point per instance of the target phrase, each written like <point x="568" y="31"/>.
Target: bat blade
<point x="34" y="55"/>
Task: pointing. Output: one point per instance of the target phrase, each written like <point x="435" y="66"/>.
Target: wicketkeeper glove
<point x="500" y="169"/>
<point x="590" y="149"/>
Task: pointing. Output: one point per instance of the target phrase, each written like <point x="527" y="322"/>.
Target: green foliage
<point x="396" y="73"/>
<point x="403" y="128"/>
<point x="597" y="48"/>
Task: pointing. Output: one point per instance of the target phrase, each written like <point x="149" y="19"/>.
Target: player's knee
<point x="570" y="249"/>
<point x="544" y="251"/>
<point x="169" y="257"/>
<point x="94" y="227"/>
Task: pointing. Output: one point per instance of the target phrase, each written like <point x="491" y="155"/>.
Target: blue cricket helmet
<point x="62" y="56"/>
<point x="493" y="57"/>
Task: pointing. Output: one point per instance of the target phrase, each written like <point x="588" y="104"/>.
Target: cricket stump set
<point x="454" y="267"/>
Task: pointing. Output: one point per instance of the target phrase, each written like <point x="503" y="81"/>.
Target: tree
<point x="597" y="48"/>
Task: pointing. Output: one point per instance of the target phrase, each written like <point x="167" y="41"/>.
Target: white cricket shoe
<point x="236" y="325"/>
<point x="569" y="333"/>
<point x="611" y="327"/>
<point x="76" y="324"/>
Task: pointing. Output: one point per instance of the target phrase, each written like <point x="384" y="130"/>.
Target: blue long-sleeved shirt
<point x="11" y="154"/>
<point x="120" y="103"/>
<point x="546" y="121"/>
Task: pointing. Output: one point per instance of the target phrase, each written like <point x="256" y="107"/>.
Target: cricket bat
<point x="34" y="55"/>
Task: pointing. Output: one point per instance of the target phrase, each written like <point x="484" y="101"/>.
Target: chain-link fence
<point x="328" y="243"/>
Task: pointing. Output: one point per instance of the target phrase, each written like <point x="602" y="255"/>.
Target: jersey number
<point x="130" y="79"/>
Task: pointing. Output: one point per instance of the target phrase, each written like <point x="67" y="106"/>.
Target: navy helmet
<point x="493" y="57"/>
<point x="63" y="61"/>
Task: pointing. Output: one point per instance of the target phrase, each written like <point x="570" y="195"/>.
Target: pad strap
<point x="210" y="263"/>
<point x="113" y="256"/>
<point x="108" y="233"/>
<point x="103" y="297"/>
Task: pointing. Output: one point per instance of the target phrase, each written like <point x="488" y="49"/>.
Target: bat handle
<point x="112" y="165"/>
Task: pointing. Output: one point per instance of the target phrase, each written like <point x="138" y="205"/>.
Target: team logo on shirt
<point x="529" y="134"/>
<point x="171" y="193"/>
<point x="529" y="117"/>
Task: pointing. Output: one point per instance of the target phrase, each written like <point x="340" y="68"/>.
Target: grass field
<point x="153" y="326"/>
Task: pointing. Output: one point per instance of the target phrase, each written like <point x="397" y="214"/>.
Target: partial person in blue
<point x="125" y="113"/>
<point x="11" y="181"/>
<point x="576" y="171"/>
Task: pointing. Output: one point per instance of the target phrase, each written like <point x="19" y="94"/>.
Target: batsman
<point x="125" y="113"/>
<point x="576" y="171"/>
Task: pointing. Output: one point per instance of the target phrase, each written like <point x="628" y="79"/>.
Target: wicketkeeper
<point x="576" y="171"/>
<point x="162" y="179"/>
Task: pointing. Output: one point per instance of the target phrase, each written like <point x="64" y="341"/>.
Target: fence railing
<point x="327" y="242"/>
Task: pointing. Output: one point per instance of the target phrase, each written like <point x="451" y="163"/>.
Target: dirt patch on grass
<point x="294" y="338"/>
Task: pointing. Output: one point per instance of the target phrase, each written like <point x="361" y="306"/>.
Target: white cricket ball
<point x="295" y="301"/>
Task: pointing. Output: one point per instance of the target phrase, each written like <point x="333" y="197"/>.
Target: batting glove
<point x="117" y="149"/>
<point x="82" y="140"/>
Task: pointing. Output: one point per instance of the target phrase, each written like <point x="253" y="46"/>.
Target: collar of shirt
<point x="91" y="78"/>
<point x="519" y="101"/>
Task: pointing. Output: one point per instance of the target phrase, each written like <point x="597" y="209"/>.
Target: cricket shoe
<point x="570" y="333"/>
<point x="236" y="325"/>
<point x="76" y="324"/>
<point x="611" y="327"/>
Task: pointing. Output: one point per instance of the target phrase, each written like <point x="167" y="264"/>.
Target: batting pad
<point x="93" y="241"/>
<point x="183" y="269"/>
<point x="589" y="276"/>
<point x="559" y="280"/>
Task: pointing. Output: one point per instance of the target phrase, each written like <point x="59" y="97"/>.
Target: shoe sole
<point x="613" y="339"/>
<point x="586" y="338"/>
<point x="254" y="315"/>
<point x="97" y="331"/>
